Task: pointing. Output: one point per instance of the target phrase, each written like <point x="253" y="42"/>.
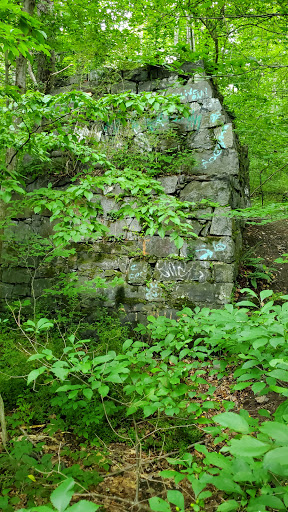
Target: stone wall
<point x="158" y="278"/>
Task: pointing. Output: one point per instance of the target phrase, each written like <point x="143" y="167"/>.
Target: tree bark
<point x="21" y="62"/>
<point x="45" y="64"/>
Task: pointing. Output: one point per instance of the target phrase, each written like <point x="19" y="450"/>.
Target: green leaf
<point x="258" y="386"/>
<point x="61" y="497"/>
<point x="267" y="501"/>
<point x="264" y="294"/>
<point x="248" y="446"/>
<point x="228" y="506"/>
<point x="279" y="375"/>
<point x="277" y="431"/>
<point x="276" y="461"/>
<point x="159" y="505"/>
<point x="88" y="393"/>
<point x="103" y="390"/>
<point x="35" y="374"/>
<point x="83" y="506"/>
<point x="232" y="421"/>
<point x="176" y="498"/>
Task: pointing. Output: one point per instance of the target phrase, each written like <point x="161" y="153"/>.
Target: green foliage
<point x="257" y="270"/>
<point x="26" y="467"/>
<point x="60" y="499"/>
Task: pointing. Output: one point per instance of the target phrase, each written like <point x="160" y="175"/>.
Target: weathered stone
<point x="212" y="105"/>
<point x="223" y="272"/>
<point x="6" y="290"/>
<point x="138" y="272"/>
<point x="220" y="162"/>
<point x="132" y="293"/>
<point x="188" y="124"/>
<point x="16" y="275"/>
<point x="218" y="191"/>
<point x="205" y="229"/>
<point x="103" y="261"/>
<point x="221" y="224"/>
<point x="41" y="284"/>
<point x="193" y="92"/>
<point x="179" y="270"/>
<point x="224" y="293"/>
<point x="125" y="85"/>
<point x="224" y="136"/>
<point x="212" y="119"/>
<point x="201" y="139"/>
<point x="136" y="75"/>
<point x="195" y="292"/>
<point x="203" y="214"/>
<point x="169" y="183"/>
<point x="154" y="292"/>
<point x="124" y="228"/>
<point x="196" y="227"/>
<point x="156" y="246"/>
<point x="207" y="293"/>
<point x="209" y="249"/>
<point x="108" y="205"/>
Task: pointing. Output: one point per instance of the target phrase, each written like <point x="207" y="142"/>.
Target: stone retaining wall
<point x="158" y="278"/>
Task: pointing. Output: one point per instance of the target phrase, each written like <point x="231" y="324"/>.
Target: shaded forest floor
<point x="268" y="241"/>
<point x="122" y="473"/>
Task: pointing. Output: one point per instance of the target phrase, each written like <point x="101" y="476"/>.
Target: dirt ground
<point x="270" y="241"/>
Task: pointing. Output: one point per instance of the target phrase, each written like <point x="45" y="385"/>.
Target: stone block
<point x="196" y="292"/>
<point x="188" y="124"/>
<point x="93" y="262"/>
<point x="220" y="162"/>
<point x="223" y="272"/>
<point x="224" y="136"/>
<point x="108" y="205"/>
<point x="125" y="85"/>
<point x="205" y="293"/>
<point x="179" y="270"/>
<point x="224" y="293"/>
<point x="203" y="214"/>
<point x="209" y="249"/>
<point x="195" y="225"/>
<point x="138" y="272"/>
<point x="131" y="293"/>
<point x="154" y="292"/>
<point x="16" y="275"/>
<point x="212" y="105"/>
<point x="193" y="92"/>
<point x="217" y="191"/>
<point x="6" y="291"/>
<point x="169" y="183"/>
<point x="156" y="246"/>
<point x="124" y="228"/>
<point x="200" y="139"/>
<point x="221" y="224"/>
<point x="205" y="229"/>
<point x="42" y="284"/>
<point x="212" y="119"/>
<point x="136" y="75"/>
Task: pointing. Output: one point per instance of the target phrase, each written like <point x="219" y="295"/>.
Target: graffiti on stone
<point x="208" y="253"/>
<point x="153" y="292"/>
<point x="174" y="270"/>
<point x="216" y="153"/>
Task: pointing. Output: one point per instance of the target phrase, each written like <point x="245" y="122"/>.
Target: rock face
<point x="157" y="277"/>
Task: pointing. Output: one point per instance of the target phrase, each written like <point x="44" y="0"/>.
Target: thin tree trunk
<point x="3" y="424"/>
<point x="21" y="62"/>
<point x="190" y="38"/>
<point x="45" y="64"/>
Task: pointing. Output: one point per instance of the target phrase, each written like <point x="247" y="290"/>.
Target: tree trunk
<point x="21" y="62"/>
<point x="45" y="64"/>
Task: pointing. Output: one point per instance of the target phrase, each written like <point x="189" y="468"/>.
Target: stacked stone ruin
<point x="158" y="278"/>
